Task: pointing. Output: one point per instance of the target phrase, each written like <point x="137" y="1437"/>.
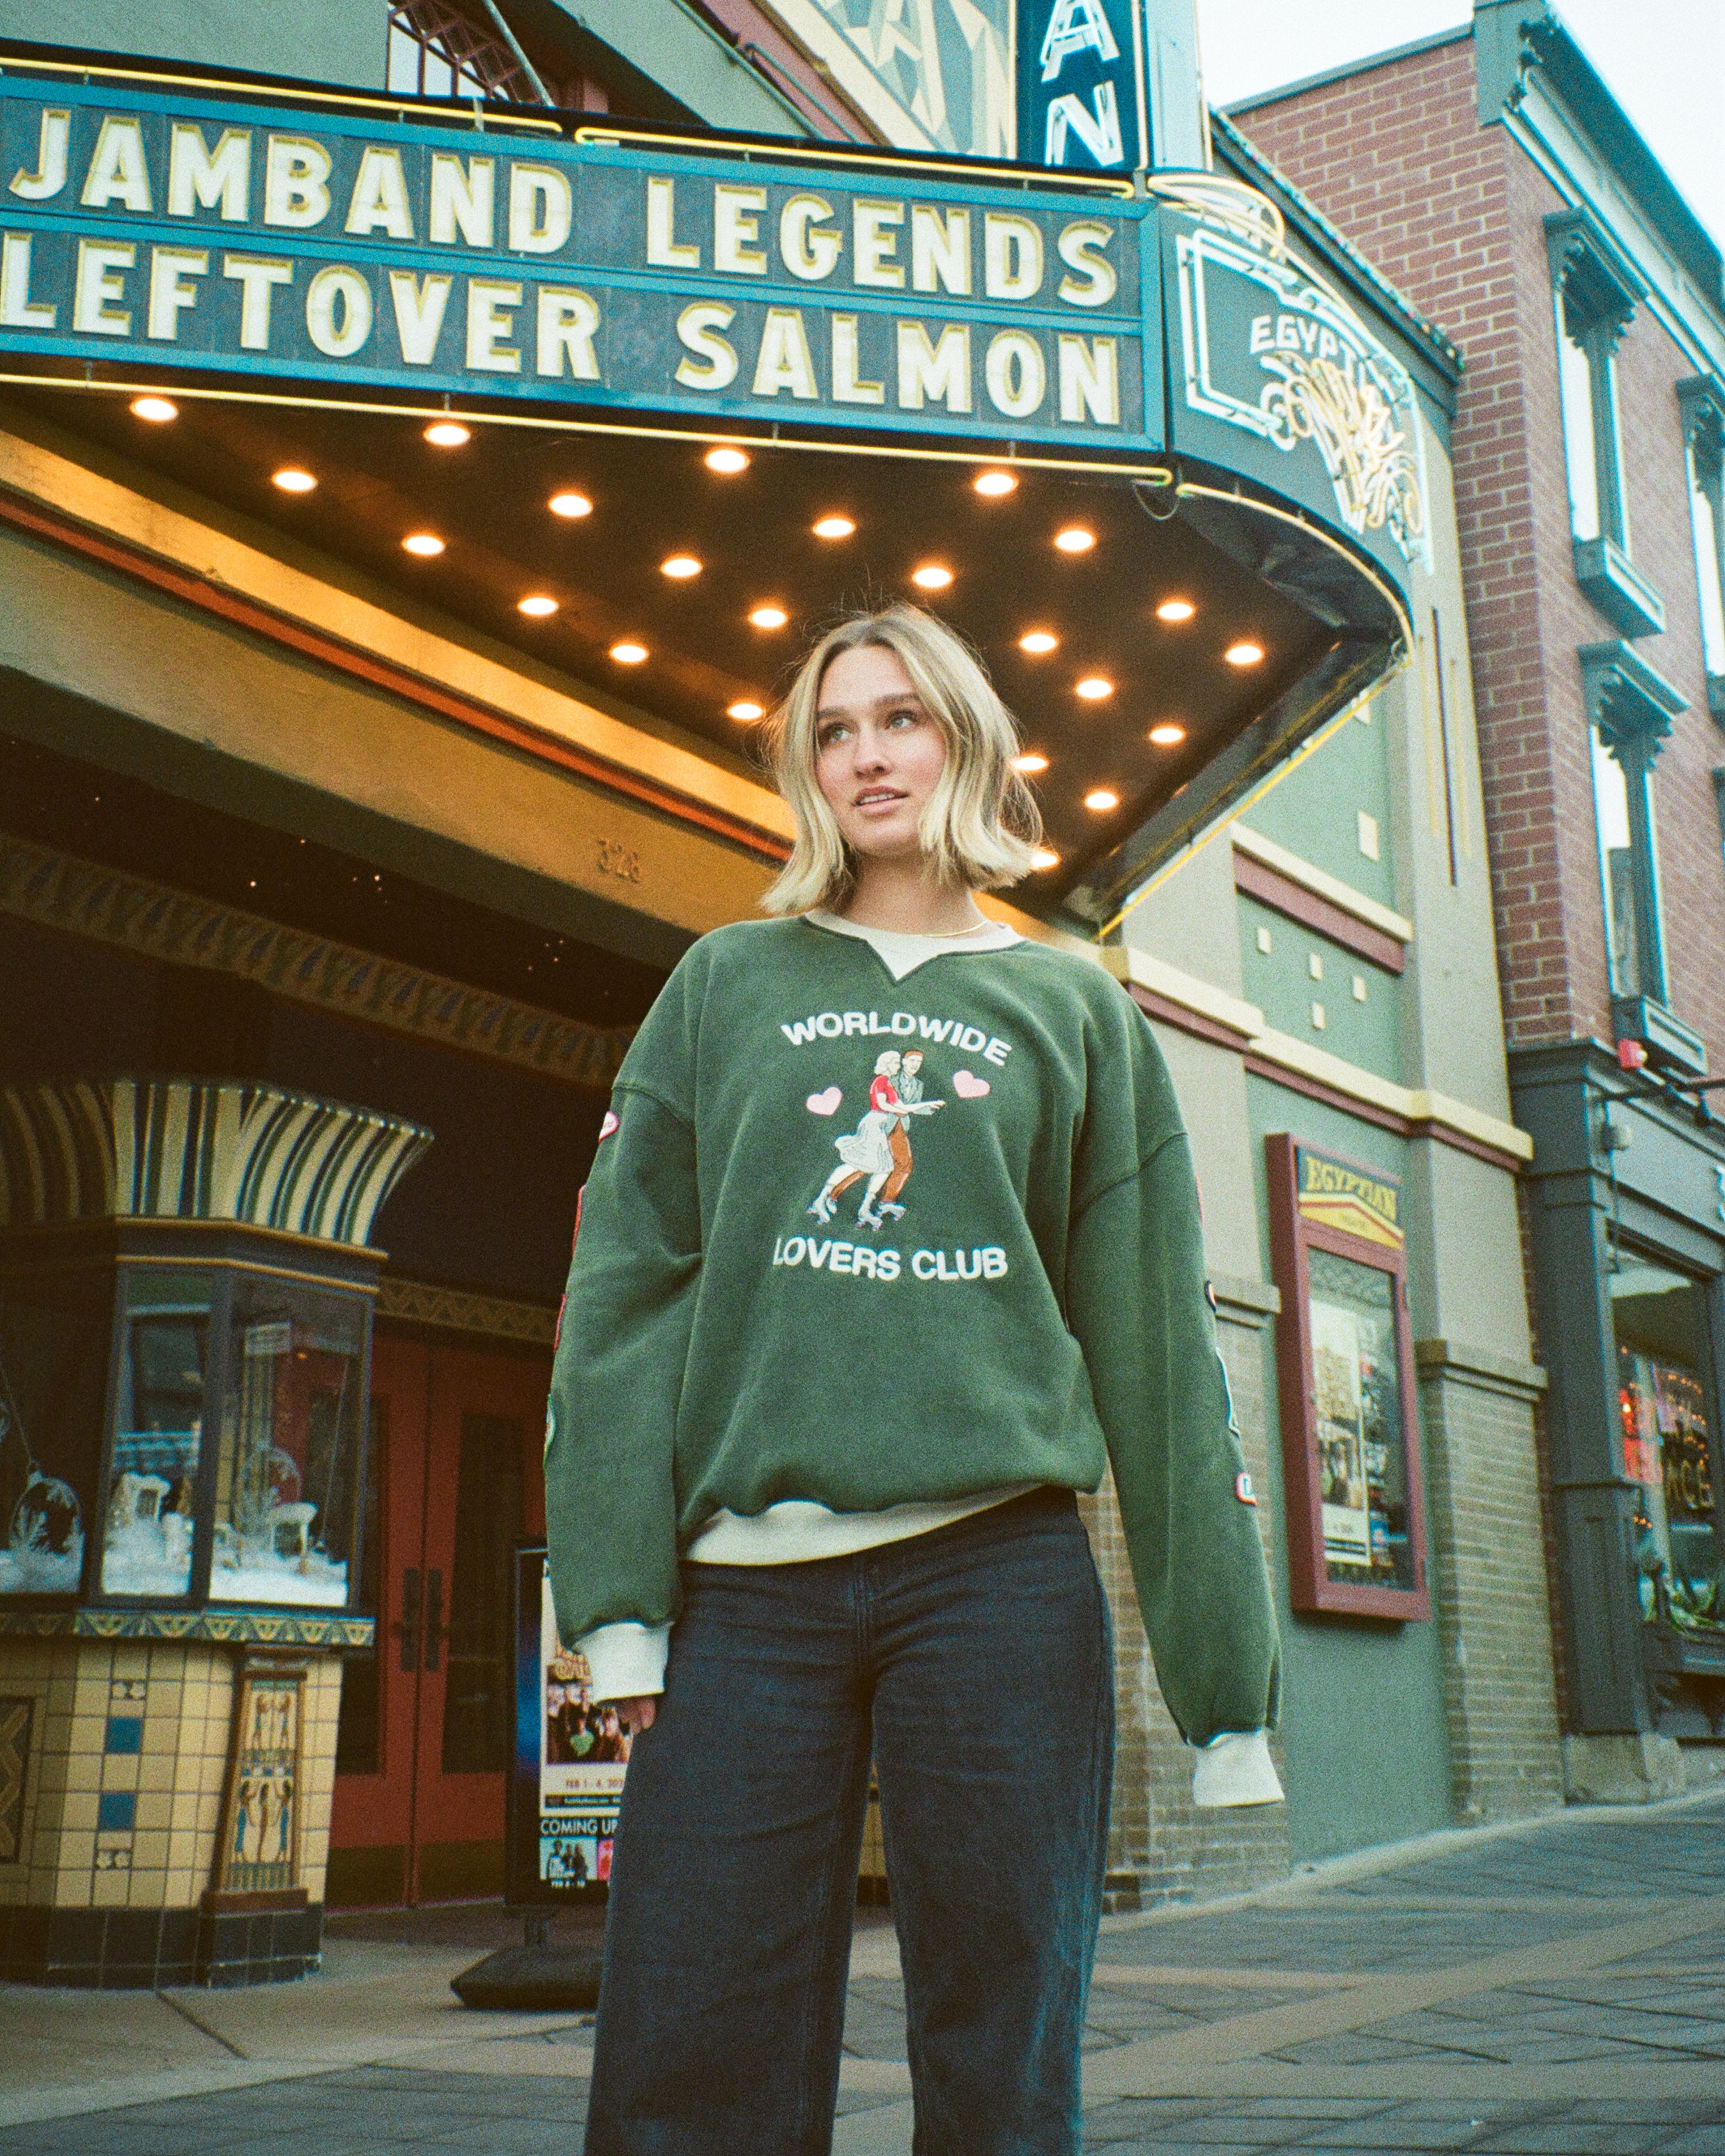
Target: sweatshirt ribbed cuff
<point x="1236" y="1768"/>
<point x="627" y="1661"/>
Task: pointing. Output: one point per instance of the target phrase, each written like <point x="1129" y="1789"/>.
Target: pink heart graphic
<point x="609" y="1125"/>
<point x="824" y="1104"/>
<point x="967" y="1085"/>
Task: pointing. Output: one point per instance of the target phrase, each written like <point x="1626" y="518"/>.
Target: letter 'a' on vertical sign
<point x="1110" y="85"/>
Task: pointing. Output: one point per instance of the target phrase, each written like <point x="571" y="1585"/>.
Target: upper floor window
<point x="1703" y="407"/>
<point x="1593" y="292"/>
<point x="1630" y="710"/>
<point x="438" y="49"/>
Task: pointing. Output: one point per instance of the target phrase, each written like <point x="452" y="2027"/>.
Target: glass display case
<point x="55" y="1328"/>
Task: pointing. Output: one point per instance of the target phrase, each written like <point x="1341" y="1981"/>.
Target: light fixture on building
<point x="1075" y="539"/>
<point x="1036" y="641"/>
<point x="1030" y="760"/>
<point x="1093" y="688"/>
<point x="1101" y="799"/>
<point x="538" y="605"/>
<point x="728" y="461"/>
<point x="1168" y="735"/>
<point x="628" y="653"/>
<point x="679" y="566"/>
<point x="1044" y="857"/>
<point x="833" y="527"/>
<point x="425" y="544"/>
<point x="746" y="708"/>
<point x="448" y="434"/>
<point x="769" y="617"/>
<point x="995" y="482"/>
<point x="931" y="577"/>
<point x="1244" y="653"/>
<point x="154" y="409"/>
<point x="570" y="504"/>
<point x="291" y="480"/>
<point x="1176" y="610"/>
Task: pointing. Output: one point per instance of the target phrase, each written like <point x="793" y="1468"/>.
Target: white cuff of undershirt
<point x="1236" y="1768"/>
<point x="626" y="1661"/>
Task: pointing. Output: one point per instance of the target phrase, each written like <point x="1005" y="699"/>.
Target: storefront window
<point x="54" y="1369"/>
<point x="158" y="1432"/>
<point x="1660" y="1322"/>
<point x="291" y="1446"/>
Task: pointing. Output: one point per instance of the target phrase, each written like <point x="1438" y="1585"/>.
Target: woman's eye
<point x="904" y="718"/>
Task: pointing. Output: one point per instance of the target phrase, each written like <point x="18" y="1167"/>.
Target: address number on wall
<point x="617" y="859"/>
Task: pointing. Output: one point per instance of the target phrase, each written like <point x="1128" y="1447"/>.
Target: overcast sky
<point x="1664" y="60"/>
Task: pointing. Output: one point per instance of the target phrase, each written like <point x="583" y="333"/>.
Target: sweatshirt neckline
<point x="901" y="951"/>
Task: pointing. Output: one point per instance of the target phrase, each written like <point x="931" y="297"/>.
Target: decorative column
<point x="185" y="1290"/>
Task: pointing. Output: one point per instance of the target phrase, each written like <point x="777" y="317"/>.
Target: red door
<point x="426" y="1716"/>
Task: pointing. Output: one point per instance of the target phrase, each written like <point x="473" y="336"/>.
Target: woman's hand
<point x="636" y="1713"/>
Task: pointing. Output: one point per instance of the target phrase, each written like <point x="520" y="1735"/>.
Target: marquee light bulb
<point x="1168" y="735"/>
<point x="570" y="504"/>
<point x="679" y="566"/>
<point x="769" y="617"/>
<point x="1101" y="799"/>
<point x="1176" y="610"/>
<point x="1038" y="641"/>
<point x="1075" y="539"/>
<point x="1044" y="857"/>
<point x="1245" y="654"/>
<point x="833" y="527"/>
<point x="995" y="483"/>
<point x="746" y="709"/>
<point x="154" y="409"/>
<point x="727" y="461"/>
<point x="1029" y="762"/>
<point x="629" y="655"/>
<point x="538" y="605"/>
<point x="1094" y="687"/>
<point x="425" y="544"/>
<point x="292" y="481"/>
<point x="931" y="577"/>
<point x="448" y="434"/>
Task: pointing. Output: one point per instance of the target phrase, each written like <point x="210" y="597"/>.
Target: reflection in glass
<point x="291" y="1447"/>
<point x="1658" y="1319"/>
<point x="54" y="1353"/>
<point x="1363" y="1468"/>
<point x="1617" y="868"/>
<point x="147" y="1548"/>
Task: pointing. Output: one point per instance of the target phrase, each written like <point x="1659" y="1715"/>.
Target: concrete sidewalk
<point x="1558" y="1987"/>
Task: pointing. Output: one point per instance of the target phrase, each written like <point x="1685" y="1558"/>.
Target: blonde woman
<point x="811" y="1500"/>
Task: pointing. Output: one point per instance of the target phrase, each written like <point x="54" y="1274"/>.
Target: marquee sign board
<point x="260" y="240"/>
<point x="176" y="231"/>
<point x="1082" y="90"/>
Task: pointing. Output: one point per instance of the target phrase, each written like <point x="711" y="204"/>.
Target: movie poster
<point x="583" y="1751"/>
<point x="1341" y="1437"/>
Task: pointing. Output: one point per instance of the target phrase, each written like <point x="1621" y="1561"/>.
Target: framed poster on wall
<point x="1350" y="1435"/>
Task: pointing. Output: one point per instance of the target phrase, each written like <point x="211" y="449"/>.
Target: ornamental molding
<point x="453" y="1310"/>
<point x="58" y="891"/>
<point x="240" y="1628"/>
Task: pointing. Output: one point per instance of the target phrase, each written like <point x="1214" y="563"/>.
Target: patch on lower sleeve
<point x="608" y="1126"/>
<point x="1244" y="1491"/>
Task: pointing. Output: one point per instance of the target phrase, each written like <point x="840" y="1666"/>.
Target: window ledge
<point x="1668" y="1043"/>
<point x="1625" y="597"/>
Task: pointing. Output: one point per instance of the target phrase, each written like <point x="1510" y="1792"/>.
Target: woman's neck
<point x="904" y="898"/>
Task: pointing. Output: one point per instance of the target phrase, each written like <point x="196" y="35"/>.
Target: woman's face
<point x="878" y="754"/>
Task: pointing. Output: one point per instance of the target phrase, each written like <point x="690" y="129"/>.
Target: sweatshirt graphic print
<point x="870" y="1241"/>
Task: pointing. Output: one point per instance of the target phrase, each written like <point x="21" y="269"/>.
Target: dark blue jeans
<point x="975" y="1662"/>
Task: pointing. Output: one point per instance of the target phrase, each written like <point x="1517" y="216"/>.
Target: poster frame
<point x="1294" y="1233"/>
<point x="523" y="1887"/>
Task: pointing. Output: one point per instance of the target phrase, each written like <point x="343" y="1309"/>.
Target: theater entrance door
<point x="454" y="1483"/>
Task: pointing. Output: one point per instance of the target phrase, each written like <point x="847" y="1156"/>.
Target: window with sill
<point x="1702" y="404"/>
<point x="1630" y="710"/>
<point x="1593" y="293"/>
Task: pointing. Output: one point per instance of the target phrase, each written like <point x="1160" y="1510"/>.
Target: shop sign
<point x="1349" y="1200"/>
<point x="1278" y="378"/>
<point x="569" y="1759"/>
<point x="179" y="231"/>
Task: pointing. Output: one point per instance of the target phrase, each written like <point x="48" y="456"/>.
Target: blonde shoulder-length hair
<point x="981" y="824"/>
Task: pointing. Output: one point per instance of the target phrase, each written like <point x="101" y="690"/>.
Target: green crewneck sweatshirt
<point x="869" y="1241"/>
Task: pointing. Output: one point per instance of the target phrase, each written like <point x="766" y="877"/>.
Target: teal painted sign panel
<point x="170" y="230"/>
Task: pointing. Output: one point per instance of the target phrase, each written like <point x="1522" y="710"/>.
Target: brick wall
<point x="1488" y="1580"/>
<point x="1452" y="212"/>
